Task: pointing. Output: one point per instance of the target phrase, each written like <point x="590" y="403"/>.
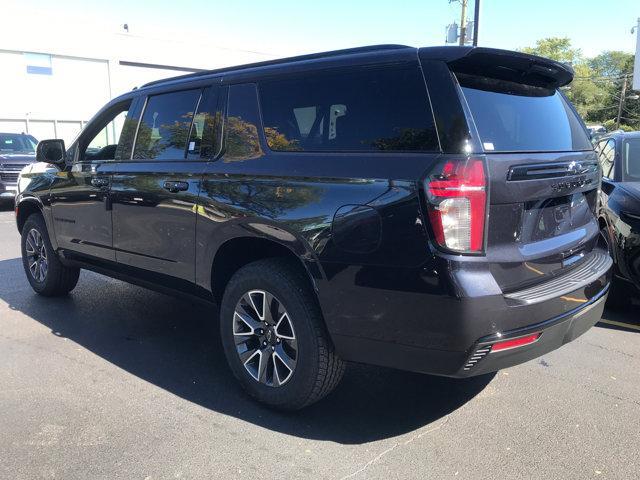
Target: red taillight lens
<point x="457" y="194"/>
<point x="516" y="342"/>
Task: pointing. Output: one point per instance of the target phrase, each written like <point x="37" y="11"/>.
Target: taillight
<point x="457" y="198"/>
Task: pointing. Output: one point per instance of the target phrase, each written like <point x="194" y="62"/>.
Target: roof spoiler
<point x="502" y="64"/>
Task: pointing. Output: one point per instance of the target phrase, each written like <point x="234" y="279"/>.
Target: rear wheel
<point x="46" y="274"/>
<point x="274" y="337"/>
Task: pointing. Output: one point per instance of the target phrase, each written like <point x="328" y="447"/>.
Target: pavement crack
<point x="612" y="350"/>
<point x="378" y="457"/>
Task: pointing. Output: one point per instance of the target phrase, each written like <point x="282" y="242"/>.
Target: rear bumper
<point x="449" y="336"/>
<point x="555" y="332"/>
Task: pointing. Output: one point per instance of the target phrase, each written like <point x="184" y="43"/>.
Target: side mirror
<point x="51" y="151"/>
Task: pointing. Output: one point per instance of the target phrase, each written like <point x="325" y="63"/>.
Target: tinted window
<point x="631" y="159"/>
<point x="106" y="139"/>
<point x="165" y="124"/>
<point x="606" y="155"/>
<point x="16" y="143"/>
<point x="204" y="141"/>
<point x="369" y="110"/>
<point x="241" y="126"/>
<point x="513" y="117"/>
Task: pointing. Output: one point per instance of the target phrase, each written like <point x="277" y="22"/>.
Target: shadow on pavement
<point x="626" y="318"/>
<point x="174" y="344"/>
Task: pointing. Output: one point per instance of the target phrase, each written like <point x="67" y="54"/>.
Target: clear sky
<point x="285" y="27"/>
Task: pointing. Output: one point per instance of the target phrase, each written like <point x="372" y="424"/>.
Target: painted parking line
<point x="621" y="324"/>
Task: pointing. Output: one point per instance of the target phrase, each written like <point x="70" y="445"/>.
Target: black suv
<point x="427" y="209"/>
<point x="17" y="150"/>
<point x="619" y="154"/>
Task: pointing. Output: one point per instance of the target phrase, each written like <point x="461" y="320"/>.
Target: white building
<point x="50" y="85"/>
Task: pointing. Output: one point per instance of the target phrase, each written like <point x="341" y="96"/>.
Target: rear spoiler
<point x="501" y="64"/>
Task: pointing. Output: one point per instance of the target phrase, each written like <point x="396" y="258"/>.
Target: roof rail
<point x="299" y="58"/>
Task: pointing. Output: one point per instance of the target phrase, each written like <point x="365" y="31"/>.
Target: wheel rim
<point x="264" y="338"/>
<point x="36" y="256"/>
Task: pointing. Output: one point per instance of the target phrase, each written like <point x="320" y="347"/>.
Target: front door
<point x="155" y="194"/>
<point x="80" y="195"/>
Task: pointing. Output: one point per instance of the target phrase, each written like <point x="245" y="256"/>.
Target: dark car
<point x="427" y="209"/>
<point x="619" y="155"/>
<point x="17" y="150"/>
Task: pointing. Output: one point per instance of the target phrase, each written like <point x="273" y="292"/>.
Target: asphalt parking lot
<point x="116" y="381"/>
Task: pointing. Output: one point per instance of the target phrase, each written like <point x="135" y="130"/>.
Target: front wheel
<point x="274" y="337"/>
<point x="46" y="274"/>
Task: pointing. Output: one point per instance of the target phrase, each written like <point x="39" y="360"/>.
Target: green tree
<point x="556" y="48"/>
<point x="597" y="84"/>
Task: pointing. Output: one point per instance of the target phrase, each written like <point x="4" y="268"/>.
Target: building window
<point x="38" y="64"/>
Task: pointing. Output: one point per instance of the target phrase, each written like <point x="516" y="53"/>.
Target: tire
<point x="308" y="368"/>
<point x="48" y="276"/>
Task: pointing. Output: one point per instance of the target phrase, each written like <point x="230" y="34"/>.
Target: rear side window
<point x="204" y="139"/>
<point x="164" y="128"/>
<point x="369" y="110"/>
<point x="513" y="117"/>
<point x="242" y="140"/>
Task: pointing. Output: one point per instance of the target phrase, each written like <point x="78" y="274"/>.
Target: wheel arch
<point x="238" y="251"/>
<point x="24" y="208"/>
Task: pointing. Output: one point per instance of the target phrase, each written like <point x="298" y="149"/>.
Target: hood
<point x="17" y="158"/>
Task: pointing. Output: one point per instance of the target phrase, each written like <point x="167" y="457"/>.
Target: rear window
<point x="631" y="160"/>
<point x="383" y="109"/>
<point x="512" y="117"/>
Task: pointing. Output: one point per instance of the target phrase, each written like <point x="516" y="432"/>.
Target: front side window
<point x="107" y="139"/>
<point x="631" y="160"/>
<point x="514" y="117"/>
<point x="165" y="126"/>
<point x="381" y="109"/>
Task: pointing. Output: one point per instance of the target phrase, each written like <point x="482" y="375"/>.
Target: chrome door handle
<point x="175" y="187"/>
<point x="99" y="182"/>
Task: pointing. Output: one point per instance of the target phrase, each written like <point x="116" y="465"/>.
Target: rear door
<point x="155" y="192"/>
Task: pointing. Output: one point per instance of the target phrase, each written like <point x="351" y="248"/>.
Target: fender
<point x="28" y="201"/>
<point x="34" y="191"/>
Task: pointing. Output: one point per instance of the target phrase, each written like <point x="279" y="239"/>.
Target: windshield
<point x="513" y="117"/>
<point x="631" y="160"/>
<point x="17" y="143"/>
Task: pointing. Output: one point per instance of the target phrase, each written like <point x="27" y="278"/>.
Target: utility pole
<point x="621" y="103"/>
<point x="463" y="22"/>
<point x="476" y="22"/>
